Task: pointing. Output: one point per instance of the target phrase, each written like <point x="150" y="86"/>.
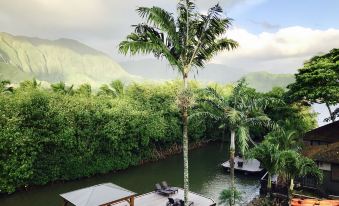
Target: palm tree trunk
<point x="185" y="143"/>
<point x="290" y="191"/>
<point x="269" y="184"/>
<point x="232" y="151"/>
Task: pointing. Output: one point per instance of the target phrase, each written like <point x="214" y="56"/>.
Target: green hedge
<point x="48" y="136"/>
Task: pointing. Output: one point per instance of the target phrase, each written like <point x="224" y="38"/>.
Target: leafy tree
<point x="62" y="88"/>
<point x="227" y="195"/>
<point x="318" y="81"/>
<point x="286" y="140"/>
<point x="34" y="84"/>
<point x="5" y="87"/>
<point x="115" y="89"/>
<point x="187" y="41"/>
<point x="269" y="156"/>
<point x="296" y="165"/>
<point x="84" y="90"/>
<point x="237" y="113"/>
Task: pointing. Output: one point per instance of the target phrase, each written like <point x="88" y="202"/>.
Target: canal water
<point x="206" y="177"/>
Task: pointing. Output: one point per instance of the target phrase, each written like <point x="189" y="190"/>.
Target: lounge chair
<point x="161" y="191"/>
<point x="165" y="186"/>
<point x="182" y="203"/>
<point x="171" y="202"/>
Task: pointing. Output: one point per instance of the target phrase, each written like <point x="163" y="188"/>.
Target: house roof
<point x="328" y="133"/>
<point x="325" y="153"/>
<point x="97" y="195"/>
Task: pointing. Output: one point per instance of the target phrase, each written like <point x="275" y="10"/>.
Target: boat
<point x="247" y="166"/>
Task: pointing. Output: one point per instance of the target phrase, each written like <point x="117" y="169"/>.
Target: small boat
<point x="248" y="166"/>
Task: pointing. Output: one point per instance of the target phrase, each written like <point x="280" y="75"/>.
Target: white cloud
<point x="281" y="51"/>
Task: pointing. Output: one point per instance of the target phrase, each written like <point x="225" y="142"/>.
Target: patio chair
<point x="165" y="186"/>
<point x="171" y="202"/>
<point x="161" y="191"/>
<point x="182" y="203"/>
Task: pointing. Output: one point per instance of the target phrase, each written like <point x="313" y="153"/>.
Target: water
<point x="206" y="177"/>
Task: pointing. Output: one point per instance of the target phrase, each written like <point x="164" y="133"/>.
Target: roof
<point x="97" y="195"/>
<point x="325" y="153"/>
<point x="297" y="201"/>
<point x="328" y="133"/>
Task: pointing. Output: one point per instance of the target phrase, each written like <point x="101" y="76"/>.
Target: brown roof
<point x="325" y="153"/>
<point x="328" y="133"/>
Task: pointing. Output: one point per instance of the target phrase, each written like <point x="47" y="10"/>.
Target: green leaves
<point x="186" y="42"/>
<point x="318" y="81"/>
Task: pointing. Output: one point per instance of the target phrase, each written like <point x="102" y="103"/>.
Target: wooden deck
<point x="250" y="165"/>
<point x="154" y="199"/>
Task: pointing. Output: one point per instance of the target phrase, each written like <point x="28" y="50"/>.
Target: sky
<point x="274" y="35"/>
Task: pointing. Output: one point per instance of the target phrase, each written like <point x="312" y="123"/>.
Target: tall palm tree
<point x="187" y="41"/>
<point x="238" y="115"/>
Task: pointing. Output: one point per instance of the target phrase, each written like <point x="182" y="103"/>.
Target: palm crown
<point x="188" y="41"/>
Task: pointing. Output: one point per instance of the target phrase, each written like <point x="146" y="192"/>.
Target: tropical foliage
<point x="47" y="135"/>
<point x="318" y="82"/>
<point x="187" y="41"/>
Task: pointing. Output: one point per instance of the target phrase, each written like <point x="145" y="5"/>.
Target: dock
<point x="154" y="199"/>
<point x="109" y="194"/>
<point x="246" y="166"/>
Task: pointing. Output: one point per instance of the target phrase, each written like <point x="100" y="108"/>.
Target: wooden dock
<point x="249" y="165"/>
<point x="154" y="199"/>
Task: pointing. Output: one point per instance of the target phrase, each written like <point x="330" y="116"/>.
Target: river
<point x="206" y="177"/>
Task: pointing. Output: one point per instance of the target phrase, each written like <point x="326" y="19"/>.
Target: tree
<point x="238" y="113"/>
<point x="269" y="156"/>
<point x="5" y="87"/>
<point x="84" y="90"/>
<point x="286" y="140"/>
<point x="296" y="165"/>
<point x="62" y="88"/>
<point x="318" y="81"/>
<point x="226" y="197"/>
<point x="187" y="41"/>
<point x="115" y="89"/>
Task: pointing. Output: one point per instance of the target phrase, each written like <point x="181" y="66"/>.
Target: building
<point x="322" y="145"/>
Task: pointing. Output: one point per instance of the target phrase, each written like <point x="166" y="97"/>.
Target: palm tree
<point x="62" y="88"/>
<point x="227" y="195"/>
<point x="5" y="87"/>
<point x="285" y="139"/>
<point x="238" y="113"/>
<point x="115" y="89"/>
<point x="187" y="41"/>
<point x="296" y="165"/>
<point x="269" y="156"/>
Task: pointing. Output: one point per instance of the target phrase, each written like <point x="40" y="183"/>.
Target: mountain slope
<point x="265" y="81"/>
<point x="158" y="70"/>
<point x="60" y="60"/>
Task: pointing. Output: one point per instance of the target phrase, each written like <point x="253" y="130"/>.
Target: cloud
<point x="99" y="23"/>
<point x="281" y="51"/>
<point x="266" y="25"/>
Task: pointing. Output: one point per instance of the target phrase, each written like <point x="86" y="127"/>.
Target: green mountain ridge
<point x="70" y="61"/>
<point x="65" y="60"/>
<point x="265" y="81"/>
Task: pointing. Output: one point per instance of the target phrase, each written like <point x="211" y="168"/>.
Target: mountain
<point x="65" y="60"/>
<point x="154" y="69"/>
<point x="158" y="70"/>
<point x="265" y="81"/>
